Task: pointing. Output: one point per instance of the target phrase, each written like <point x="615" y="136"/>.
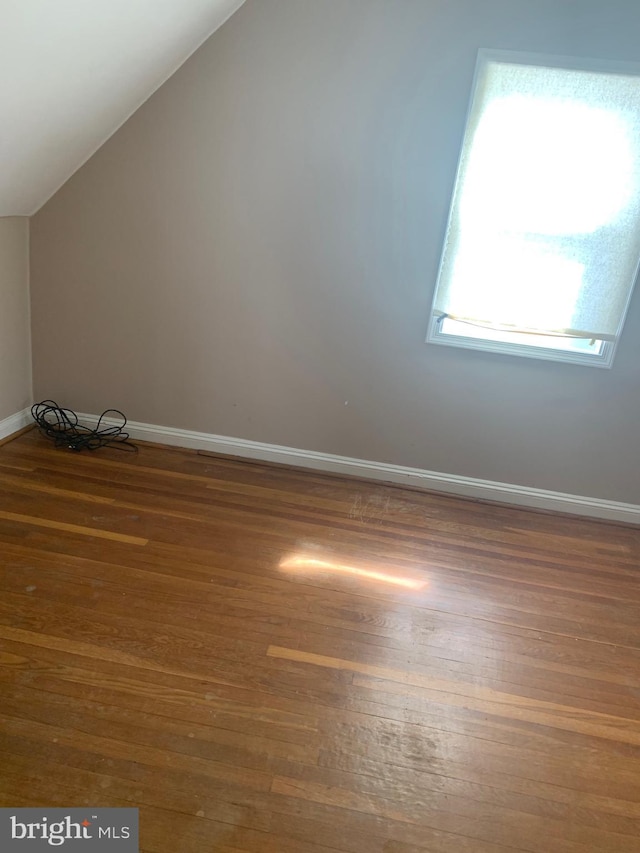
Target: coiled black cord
<point x="62" y="427"/>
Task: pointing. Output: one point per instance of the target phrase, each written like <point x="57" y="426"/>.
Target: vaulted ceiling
<point x="72" y="71"/>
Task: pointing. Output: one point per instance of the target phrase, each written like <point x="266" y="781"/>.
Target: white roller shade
<point x="544" y="229"/>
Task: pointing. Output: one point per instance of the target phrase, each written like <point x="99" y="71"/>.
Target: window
<point x="543" y="240"/>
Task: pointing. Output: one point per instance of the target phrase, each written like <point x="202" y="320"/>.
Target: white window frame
<point x="607" y="349"/>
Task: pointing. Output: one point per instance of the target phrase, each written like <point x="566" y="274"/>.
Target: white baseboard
<point x="14" y="423"/>
<point x="466" y="487"/>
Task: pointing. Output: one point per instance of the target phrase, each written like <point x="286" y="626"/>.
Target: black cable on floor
<point x="62" y="427"/>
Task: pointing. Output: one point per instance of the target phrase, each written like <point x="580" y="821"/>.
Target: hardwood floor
<point x="270" y="660"/>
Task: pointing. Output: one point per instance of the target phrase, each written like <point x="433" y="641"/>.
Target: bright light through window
<point x="560" y="141"/>
<point x="543" y="239"/>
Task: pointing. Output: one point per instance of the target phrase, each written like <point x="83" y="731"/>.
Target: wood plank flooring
<point x="264" y="659"/>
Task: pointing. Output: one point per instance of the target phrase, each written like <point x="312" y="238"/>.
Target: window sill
<point x="602" y="356"/>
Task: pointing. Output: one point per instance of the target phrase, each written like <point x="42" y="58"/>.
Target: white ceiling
<point x="72" y="71"/>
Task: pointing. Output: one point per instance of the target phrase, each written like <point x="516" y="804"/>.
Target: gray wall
<point x="15" y="336"/>
<point x="259" y="244"/>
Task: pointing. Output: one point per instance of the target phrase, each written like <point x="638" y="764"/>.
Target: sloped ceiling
<point x="72" y="71"/>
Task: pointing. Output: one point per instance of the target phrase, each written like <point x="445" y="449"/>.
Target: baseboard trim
<point x="15" y="423"/>
<point x="465" y="487"/>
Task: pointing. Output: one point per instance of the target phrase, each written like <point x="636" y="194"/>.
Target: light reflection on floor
<point x="305" y="564"/>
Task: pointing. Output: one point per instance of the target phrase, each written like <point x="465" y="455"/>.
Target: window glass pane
<point x="544" y="230"/>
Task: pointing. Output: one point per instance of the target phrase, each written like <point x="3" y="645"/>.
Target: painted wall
<point x="254" y="252"/>
<point x="15" y="332"/>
